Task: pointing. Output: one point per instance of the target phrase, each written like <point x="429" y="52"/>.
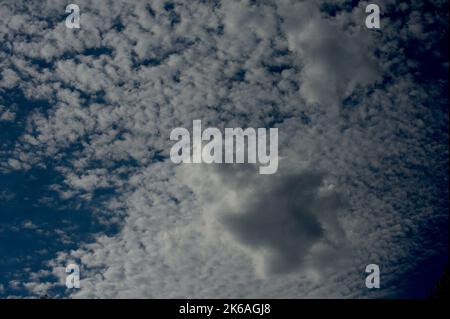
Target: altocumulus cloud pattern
<point x="86" y="176"/>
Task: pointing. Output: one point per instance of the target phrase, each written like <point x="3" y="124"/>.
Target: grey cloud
<point x="287" y="219"/>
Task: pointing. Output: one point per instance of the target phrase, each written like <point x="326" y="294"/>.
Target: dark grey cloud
<point x="286" y="219"/>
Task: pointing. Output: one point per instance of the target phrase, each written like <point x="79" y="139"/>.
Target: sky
<point x="86" y="175"/>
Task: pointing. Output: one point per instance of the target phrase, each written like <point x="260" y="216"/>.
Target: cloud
<point x="336" y="57"/>
<point x="6" y="115"/>
<point x="285" y="223"/>
<point x="363" y="155"/>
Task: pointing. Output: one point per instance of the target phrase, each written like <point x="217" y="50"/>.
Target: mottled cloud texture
<point x="363" y="129"/>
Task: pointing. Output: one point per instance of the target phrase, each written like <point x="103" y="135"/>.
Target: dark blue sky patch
<point x="35" y="224"/>
<point x="15" y="100"/>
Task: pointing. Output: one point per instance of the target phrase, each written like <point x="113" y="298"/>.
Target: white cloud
<point x="6" y="115"/>
<point x="335" y="60"/>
